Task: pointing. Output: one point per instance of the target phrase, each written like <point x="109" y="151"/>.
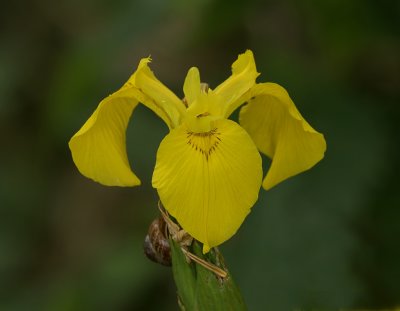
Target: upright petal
<point x="208" y="181"/>
<point x="280" y="132"/>
<point x="99" y="148"/>
<point x="191" y="87"/>
<point x="162" y="101"/>
<point x="244" y="74"/>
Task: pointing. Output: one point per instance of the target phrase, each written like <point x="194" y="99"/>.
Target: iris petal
<point x="191" y="87"/>
<point x="244" y="74"/>
<point x="280" y="132"/>
<point x="99" y="149"/>
<point x="208" y="181"/>
<point x="163" y="101"/>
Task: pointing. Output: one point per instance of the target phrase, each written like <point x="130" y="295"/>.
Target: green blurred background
<point x="327" y="239"/>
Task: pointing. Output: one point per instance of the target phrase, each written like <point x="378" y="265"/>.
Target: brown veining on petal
<point x="205" y="143"/>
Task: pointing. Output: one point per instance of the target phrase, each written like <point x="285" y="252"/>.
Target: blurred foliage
<point x="327" y="239"/>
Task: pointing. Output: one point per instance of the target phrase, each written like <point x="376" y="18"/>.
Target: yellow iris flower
<point x="208" y="170"/>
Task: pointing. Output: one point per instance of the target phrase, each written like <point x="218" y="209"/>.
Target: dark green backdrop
<point x="327" y="239"/>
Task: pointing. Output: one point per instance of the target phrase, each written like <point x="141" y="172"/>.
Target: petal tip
<point x="244" y="60"/>
<point x="206" y="248"/>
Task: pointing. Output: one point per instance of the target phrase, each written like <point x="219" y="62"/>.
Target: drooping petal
<point x="163" y="101"/>
<point x="191" y="87"/>
<point x="244" y="74"/>
<point x="280" y="132"/>
<point x="99" y="148"/>
<point x="208" y="181"/>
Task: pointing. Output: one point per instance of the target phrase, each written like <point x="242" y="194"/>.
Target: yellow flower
<point x="208" y="170"/>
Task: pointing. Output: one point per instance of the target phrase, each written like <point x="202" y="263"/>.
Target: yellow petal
<point x="191" y="87"/>
<point x="208" y="181"/>
<point x="99" y="149"/>
<point x="244" y="74"/>
<point x="163" y="102"/>
<point x="280" y="132"/>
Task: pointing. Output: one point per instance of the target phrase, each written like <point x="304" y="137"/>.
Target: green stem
<point x="198" y="287"/>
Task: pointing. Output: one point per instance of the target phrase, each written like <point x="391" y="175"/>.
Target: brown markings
<point x="205" y="143"/>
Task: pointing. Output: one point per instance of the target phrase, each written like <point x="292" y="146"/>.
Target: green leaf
<point x="198" y="287"/>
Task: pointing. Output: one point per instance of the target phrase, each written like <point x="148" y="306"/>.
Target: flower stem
<point x="202" y="286"/>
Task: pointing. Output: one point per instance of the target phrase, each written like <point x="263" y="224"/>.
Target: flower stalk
<point x="200" y="288"/>
<point x="202" y="280"/>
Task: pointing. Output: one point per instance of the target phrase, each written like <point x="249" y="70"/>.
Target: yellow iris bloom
<point x="208" y="170"/>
